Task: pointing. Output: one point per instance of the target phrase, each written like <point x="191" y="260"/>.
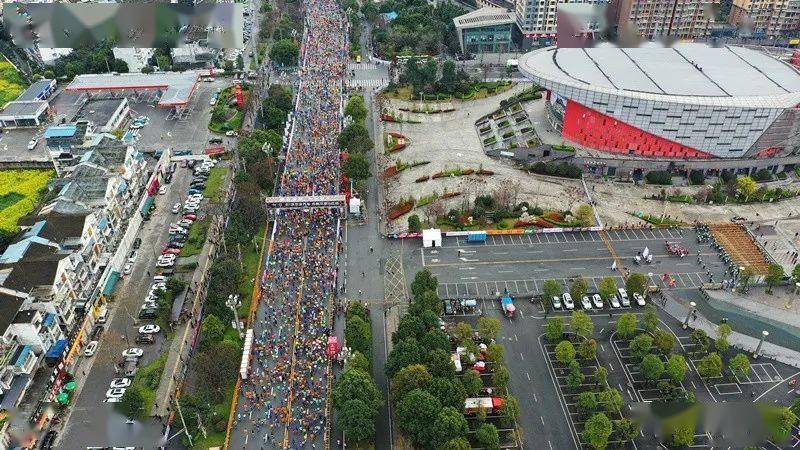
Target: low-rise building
<point x="486" y="30"/>
<point x="30" y="108"/>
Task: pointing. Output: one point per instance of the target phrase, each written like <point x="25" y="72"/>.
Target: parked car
<point x="614" y="302"/>
<point x="137" y="243"/>
<point x="171" y="251"/>
<point x="162" y="190"/>
<point x="132" y="257"/>
<point x="150" y="328"/>
<point x="115" y="392"/>
<point x="556" y="302"/>
<point x="585" y="302"/>
<point x="639" y="299"/>
<point x="120" y="383"/>
<point x="231" y="133"/>
<point x="165" y="264"/>
<point x="598" y="301"/>
<point x="215" y="140"/>
<point x="185" y="223"/>
<point x="190" y="216"/>
<point x="176" y="208"/>
<point x="133" y="352"/>
<point x="145" y="339"/>
<point x="175" y="245"/>
<point x="147" y="313"/>
<point x="49" y="439"/>
<point x="568" y="303"/>
<point x="130" y="368"/>
<point x="127" y="269"/>
<point x="623" y="297"/>
<point x="97" y="332"/>
<point x="32" y="143"/>
<point x="90" y="348"/>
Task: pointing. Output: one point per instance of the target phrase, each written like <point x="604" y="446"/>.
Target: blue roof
<point x="506" y="301"/>
<point x="113" y="277"/>
<point x="16" y="251"/>
<point x="60" y="131"/>
<point x="57" y="349"/>
<point x="86" y="156"/>
<point x="49" y="318"/>
<point x="64" y="189"/>
<point x="22" y="355"/>
<point x="122" y="187"/>
<point x="35" y="229"/>
<point x="391" y="15"/>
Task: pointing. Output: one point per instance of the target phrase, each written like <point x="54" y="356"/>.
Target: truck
<point x="475" y="238"/>
<point x="489" y="404"/>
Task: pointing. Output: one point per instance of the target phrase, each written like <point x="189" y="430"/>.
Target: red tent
<point x="333" y="346"/>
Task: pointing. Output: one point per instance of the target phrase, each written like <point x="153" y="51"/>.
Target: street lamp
<point x="764" y="335"/>
<point x="233" y="303"/>
<point x="692" y="310"/>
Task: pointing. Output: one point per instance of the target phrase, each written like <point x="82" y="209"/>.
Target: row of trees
<point x="355" y="140"/>
<point x="423" y="75"/>
<point x="276" y="108"/>
<point x="420" y="28"/>
<point x="87" y="59"/>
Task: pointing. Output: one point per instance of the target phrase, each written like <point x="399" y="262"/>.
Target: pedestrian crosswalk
<point x="362" y="66"/>
<point x="367" y="83"/>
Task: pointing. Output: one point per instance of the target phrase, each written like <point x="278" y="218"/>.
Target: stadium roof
<point x="689" y="73"/>
<point x="178" y="87"/>
<point x="483" y="17"/>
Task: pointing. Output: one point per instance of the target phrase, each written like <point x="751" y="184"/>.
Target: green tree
<point x="356" y="108"/>
<point x="774" y="275"/>
<point x="472" y="383"/>
<point x="664" y="341"/>
<point x="578" y="289"/>
<point x="740" y="365"/>
<point x="651" y="367"/>
<point x="778" y="422"/>
<point x="699" y="339"/>
<point x="428" y="301"/>
<point x="487" y="437"/>
<point x="509" y="411"/>
<point x="746" y="187"/>
<point x="488" y="327"/>
<point x="449" y="424"/>
<point x="676" y="368"/>
<point x="356" y="167"/>
<point x="683" y="435"/>
<point x="415" y="376"/>
<point x="211" y="331"/>
<point x="582" y="324"/>
<point x="163" y="62"/>
<point x="354" y="384"/>
<point x="723" y="331"/>
<point x="355" y="138"/>
<point x="565" y="352"/>
<point x="626" y="430"/>
<point x="636" y="283"/>
<point x="358" y="361"/>
<point x="597" y="430"/>
<point x="551" y="289"/>
<point x="626" y="325"/>
<point x="449" y="391"/>
<point x="132" y="403"/>
<point x="600" y="376"/>
<point x="462" y="332"/>
<point x="796" y="273"/>
<point x="650" y="319"/>
<point x="587" y="349"/>
<point x="409" y="326"/>
<point x="495" y="353"/>
<point x="610" y="399"/>
<point x="575" y="376"/>
<point x="439" y="364"/>
<point x="554" y="329"/>
<point x="370" y="11"/>
<point x="414" y="224"/>
<point x="357" y="421"/>
<point x="284" y="52"/>
<point x="584" y="215"/>
<point x="416" y="412"/>
<point x="239" y="62"/>
<point x="404" y="353"/>
<point x="587" y="402"/>
<point x="457" y="444"/>
<point x="358" y="335"/>
<point x="434" y="339"/>
<point x="640" y="345"/>
<point x="607" y="288"/>
<point x="424" y="280"/>
<point x="710" y="366"/>
<point x="500" y="377"/>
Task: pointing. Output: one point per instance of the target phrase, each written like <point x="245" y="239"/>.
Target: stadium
<point x="689" y="106"/>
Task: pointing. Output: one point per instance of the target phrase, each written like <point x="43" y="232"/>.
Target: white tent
<point x="432" y="237"/>
<point x="355" y="206"/>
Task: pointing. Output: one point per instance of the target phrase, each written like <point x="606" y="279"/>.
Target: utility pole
<point x="180" y="413"/>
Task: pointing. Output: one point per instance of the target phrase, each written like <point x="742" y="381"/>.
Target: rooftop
<point x="34" y="90"/>
<point x="483" y="17"/>
<point x="9" y="305"/>
<point x="29" y="108"/>
<point x="684" y="70"/>
<point x="60" y="131"/>
<point x="100" y="111"/>
<point x="178" y="86"/>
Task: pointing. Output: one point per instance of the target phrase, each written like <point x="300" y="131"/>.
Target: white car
<point x="112" y="400"/>
<point x="598" y="301"/>
<point x="120" y="383"/>
<point x="586" y="303"/>
<point x="135" y="352"/>
<point x="132" y="258"/>
<point x="176" y="208"/>
<point x="162" y="190"/>
<point x="195" y="197"/>
<point x="623" y="297"/>
<point x="185" y="223"/>
<point x="90" y="348"/>
<point x="165" y="264"/>
<point x="32" y="143"/>
<point x="149" y="329"/>
<point x="115" y="392"/>
<point x="638" y="298"/>
<point x="230" y="133"/>
<point x="614" y="302"/>
<point x="568" y="303"/>
<point x="556" y="302"/>
<point x="127" y="269"/>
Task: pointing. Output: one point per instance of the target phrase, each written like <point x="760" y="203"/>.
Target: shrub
<point x="660" y="177"/>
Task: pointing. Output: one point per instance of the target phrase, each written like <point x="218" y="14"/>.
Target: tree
<point x="578" y="289"/>
<point x="587" y="402"/>
<point x="778" y="421"/>
<point x="554" y="329"/>
<point x="683" y="434"/>
<point x="415" y="376"/>
<point x="626" y="429"/>
<point x="488" y="327"/>
<point x="575" y="376"/>
<point x="147" y="69"/>
<point x="424" y="281"/>
<point x="449" y="424"/>
<point x="462" y="332"/>
<point x="651" y="367"/>
<point x="664" y="341"/>
<point x="775" y="274"/>
<point x="582" y="324"/>
<point x="487" y="437"/>
<point x="416" y="412"/>
<point x="699" y="339"/>
<point x="215" y="368"/>
<point x="358" y="361"/>
<point x="626" y="325"/>
<point x="263" y="172"/>
<point x="163" y="62"/>
<point x="796" y="273"/>
<point x="429" y="302"/>
<point x="587" y="349"/>
<point x="414" y="224"/>
<point x="356" y="167"/>
<point x="458" y="443"/>
<point x="696" y="177"/>
<point x="661" y="177"/>
<point x="600" y="376"/>
<point x="584" y="215"/>
<point x="500" y="377"/>
<point x="354" y="384"/>
<point x="610" y="399"/>
<point x="723" y="331"/>
<point x="409" y="326"/>
<point x="640" y="345"/>
<point x="370" y="11"/>
<point x="284" y="52"/>
<point x="358" y="335"/>
<point x="472" y="383"/>
<point x="637" y="283"/>
<point x="495" y="353"/>
<point x="597" y="430"/>
<point x="710" y="366"/>
<point x="740" y="365"/>
<point x="509" y="411"/>
<point x="239" y="62"/>
<point x="650" y="319"/>
<point x="132" y="403"/>
<point x="746" y="186"/>
<point x="439" y="364"/>
<point x="356" y="108"/>
<point x="357" y="420"/>
<point x="676" y="368"/>
<point x="211" y="331"/>
<point x="551" y="289"/>
<point x="434" y="339"/>
<point x="355" y="138"/>
<point x="607" y="288"/>
<point x="565" y="352"/>
<point x="404" y="353"/>
<point x="449" y="391"/>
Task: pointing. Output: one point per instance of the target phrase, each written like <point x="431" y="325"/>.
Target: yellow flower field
<point x="19" y="194"/>
<point x="11" y="83"/>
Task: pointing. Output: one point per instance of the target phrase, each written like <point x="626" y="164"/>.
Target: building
<point x="690" y="105"/>
<point x="771" y="19"/>
<point x="175" y="89"/>
<point x="105" y="115"/>
<point x="30" y="108"/>
<point x="652" y="19"/>
<point x="136" y="58"/>
<point x="193" y="56"/>
<point x="536" y="21"/>
<point x="485" y="30"/>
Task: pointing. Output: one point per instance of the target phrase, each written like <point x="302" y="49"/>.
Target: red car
<point x="190" y="216"/>
<point x="171" y="251"/>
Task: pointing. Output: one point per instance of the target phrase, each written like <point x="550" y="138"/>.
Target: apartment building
<point x="652" y="19"/>
<point x="772" y="19"/>
<point x="537" y="20"/>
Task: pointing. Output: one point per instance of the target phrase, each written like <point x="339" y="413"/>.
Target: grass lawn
<point x="215" y="178"/>
<point x="20" y="191"/>
<point x="148" y="378"/>
<point x="11" y="83"/>
<point x="197" y="236"/>
<point x="250" y="257"/>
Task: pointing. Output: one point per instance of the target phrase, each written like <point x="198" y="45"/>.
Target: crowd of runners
<point x="282" y="404"/>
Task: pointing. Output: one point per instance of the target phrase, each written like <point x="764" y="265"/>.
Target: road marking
<point x="577" y="268"/>
<point x="601" y="332"/>
<point x="505" y="271"/>
<point x="521" y="356"/>
<point x="466" y="268"/>
<point x="570" y="250"/>
<point x="529" y="379"/>
<point x="541" y="270"/>
<point x="601" y="345"/>
<point x="694" y="385"/>
<point x="542" y="418"/>
<point x="534" y="398"/>
<point x="611" y="366"/>
<point x="515" y="337"/>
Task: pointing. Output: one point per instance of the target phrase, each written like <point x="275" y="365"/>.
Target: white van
<point x="623" y="297"/>
<point x="103" y="316"/>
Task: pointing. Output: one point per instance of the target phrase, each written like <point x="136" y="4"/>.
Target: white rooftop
<point x="483" y="17"/>
<point x="684" y="70"/>
<point x="178" y="87"/>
